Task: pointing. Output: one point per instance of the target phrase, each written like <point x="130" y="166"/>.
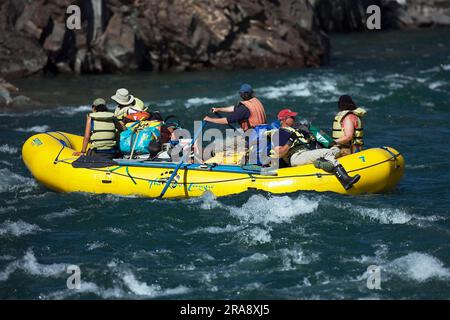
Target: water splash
<point x="18" y="228"/>
<point x="5" y="148"/>
<point x="30" y="265"/>
<point x="37" y="129"/>
<point x="10" y="181"/>
<point x="274" y="209"/>
<point x="418" y="266"/>
<point x="151" y="291"/>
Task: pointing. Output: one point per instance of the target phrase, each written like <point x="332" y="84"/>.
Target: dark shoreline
<point x="338" y="57"/>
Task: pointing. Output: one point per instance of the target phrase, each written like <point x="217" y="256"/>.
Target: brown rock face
<point x="157" y="35"/>
<point x="19" y="55"/>
<point x="230" y="34"/>
<point x="122" y="35"/>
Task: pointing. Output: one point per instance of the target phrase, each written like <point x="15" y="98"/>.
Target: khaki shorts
<point x="303" y="157"/>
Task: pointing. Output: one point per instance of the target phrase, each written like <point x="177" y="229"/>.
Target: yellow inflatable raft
<point x="49" y="157"/>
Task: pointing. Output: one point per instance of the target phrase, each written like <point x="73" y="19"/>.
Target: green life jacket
<point x="301" y="142"/>
<point x="103" y="131"/>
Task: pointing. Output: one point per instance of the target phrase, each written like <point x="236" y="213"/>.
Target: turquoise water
<point x="254" y="245"/>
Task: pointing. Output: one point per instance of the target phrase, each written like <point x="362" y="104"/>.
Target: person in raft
<point x="127" y="104"/>
<point x="296" y="148"/>
<point x="100" y="132"/>
<point x="249" y="112"/>
<point x="348" y="130"/>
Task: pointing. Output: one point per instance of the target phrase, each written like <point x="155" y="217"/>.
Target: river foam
<point x="31" y="266"/>
<point x="391" y="215"/>
<point x="416" y="266"/>
<point x="275" y="209"/>
<point x="60" y="214"/>
<point x="36" y="129"/>
<point x="201" y="101"/>
<point x="5" y="148"/>
<point x="10" y="181"/>
<point x="141" y="288"/>
<point x="419" y="267"/>
<point x="17" y="228"/>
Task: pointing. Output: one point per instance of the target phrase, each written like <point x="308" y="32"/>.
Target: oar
<point x="199" y="132"/>
<point x="134" y="144"/>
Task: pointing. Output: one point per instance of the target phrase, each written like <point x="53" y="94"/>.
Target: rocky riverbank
<point x="153" y="35"/>
<point x="157" y="36"/>
<point x="10" y="97"/>
<point x="350" y="15"/>
<point x="127" y="35"/>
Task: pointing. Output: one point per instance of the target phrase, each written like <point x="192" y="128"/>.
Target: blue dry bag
<point x="139" y="139"/>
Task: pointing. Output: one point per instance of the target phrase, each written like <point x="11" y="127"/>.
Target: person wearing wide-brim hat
<point x="126" y="103"/>
<point x="123" y="97"/>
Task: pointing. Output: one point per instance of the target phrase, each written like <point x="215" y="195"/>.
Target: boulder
<point x="117" y="44"/>
<point x="232" y="34"/>
<point x="350" y="15"/>
<point x="9" y="98"/>
<point x="425" y="13"/>
<point x="20" y="56"/>
<point x="5" y="97"/>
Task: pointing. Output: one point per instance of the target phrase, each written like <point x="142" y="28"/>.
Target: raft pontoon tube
<point x="49" y="157"/>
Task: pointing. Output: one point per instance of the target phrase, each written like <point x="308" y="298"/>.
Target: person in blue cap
<point x="249" y="112"/>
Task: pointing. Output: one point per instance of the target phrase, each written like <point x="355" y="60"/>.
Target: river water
<point x="254" y="245"/>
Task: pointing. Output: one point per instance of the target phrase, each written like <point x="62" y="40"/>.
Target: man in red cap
<point x="296" y="147"/>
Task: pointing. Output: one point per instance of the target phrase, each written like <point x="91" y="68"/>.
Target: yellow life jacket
<point x="138" y="106"/>
<point x="338" y="130"/>
<point x="119" y="113"/>
<point x="103" y="131"/>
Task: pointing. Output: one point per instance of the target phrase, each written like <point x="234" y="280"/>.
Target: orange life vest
<point x="257" y="114"/>
<point x="142" y="115"/>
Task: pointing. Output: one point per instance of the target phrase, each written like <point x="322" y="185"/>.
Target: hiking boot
<point x="343" y="177"/>
<point x="323" y="164"/>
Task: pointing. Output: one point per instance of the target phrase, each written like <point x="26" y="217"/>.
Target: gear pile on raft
<point x="137" y="151"/>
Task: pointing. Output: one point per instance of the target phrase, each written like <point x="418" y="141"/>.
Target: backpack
<point x="258" y="150"/>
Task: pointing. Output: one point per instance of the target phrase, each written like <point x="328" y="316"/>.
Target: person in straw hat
<point x="126" y="104"/>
